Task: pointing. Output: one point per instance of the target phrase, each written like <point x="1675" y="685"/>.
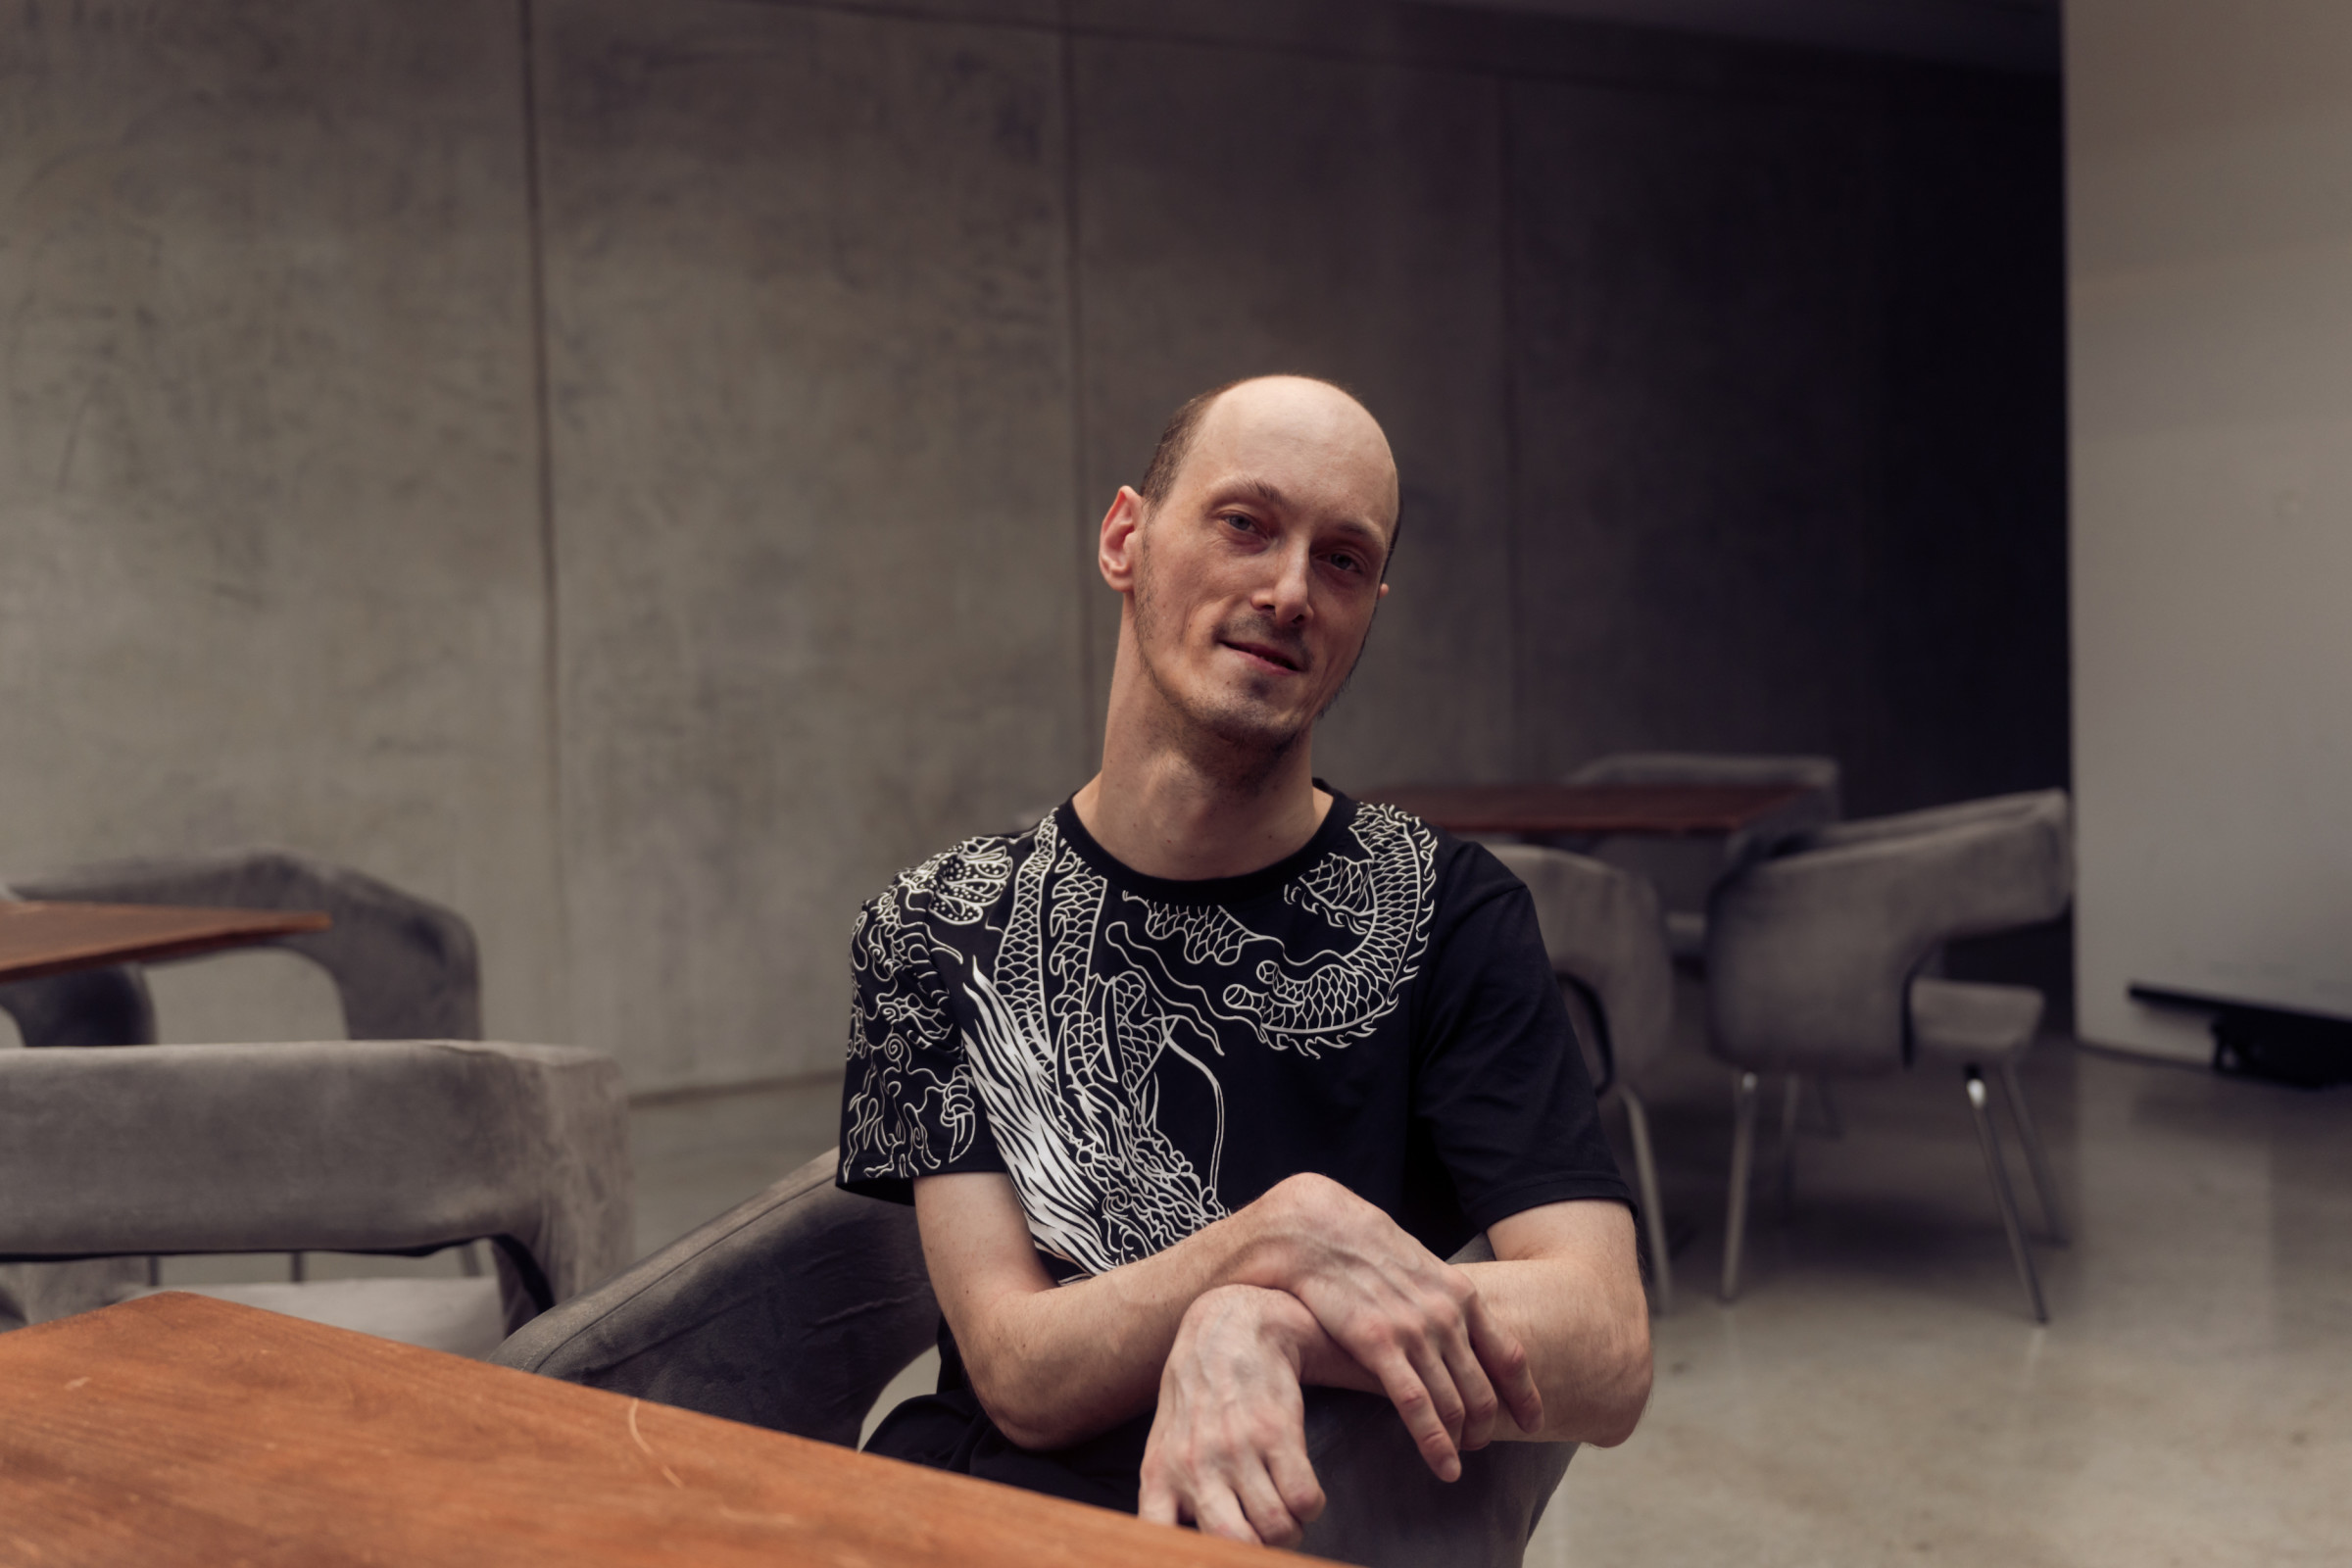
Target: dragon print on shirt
<point x="1076" y="999"/>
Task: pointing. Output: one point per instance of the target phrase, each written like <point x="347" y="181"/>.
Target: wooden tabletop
<point x="178" y="1428"/>
<point x="1665" y="809"/>
<point x="41" y="939"/>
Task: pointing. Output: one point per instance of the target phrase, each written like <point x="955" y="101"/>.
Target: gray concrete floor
<point x="1877" y="1394"/>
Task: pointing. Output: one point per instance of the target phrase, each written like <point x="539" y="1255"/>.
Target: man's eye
<point x="1345" y="561"/>
<point x="1242" y="520"/>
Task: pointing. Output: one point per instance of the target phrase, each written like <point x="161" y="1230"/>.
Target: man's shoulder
<point x="1459" y="872"/>
<point x="958" y="884"/>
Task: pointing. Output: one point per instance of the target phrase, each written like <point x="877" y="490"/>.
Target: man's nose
<point x="1284" y="595"/>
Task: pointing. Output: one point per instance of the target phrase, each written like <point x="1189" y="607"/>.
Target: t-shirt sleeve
<point x="908" y="1106"/>
<point x="1500" y="1091"/>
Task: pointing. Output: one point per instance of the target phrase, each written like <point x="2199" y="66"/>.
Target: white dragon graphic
<point x="1069" y="1030"/>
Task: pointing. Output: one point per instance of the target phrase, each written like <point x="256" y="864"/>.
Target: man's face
<point x="1255" y="580"/>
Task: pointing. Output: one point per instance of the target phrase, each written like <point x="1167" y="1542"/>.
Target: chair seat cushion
<point x="462" y="1317"/>
<point x="1973" y="1022"/>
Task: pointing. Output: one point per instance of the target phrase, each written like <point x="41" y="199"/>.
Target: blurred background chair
<point x="1608" y="949"/>
<point x="403" y="968"/>
<point x="795" y="1309"/>
<point x="387" y="1146"/>
<point x="1686" y="871"/>
<point x="1819" y="960"/>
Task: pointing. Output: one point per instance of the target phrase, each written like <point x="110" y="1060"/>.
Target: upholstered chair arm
<point x="363" y="1146"/>
<point x="792" y="1310"/>
<point x="2032" y="806"/>
<point x="1810" y="956"/>
<point x="405" y="968"/>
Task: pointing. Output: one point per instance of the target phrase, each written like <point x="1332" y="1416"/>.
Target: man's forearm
<point x="1053" y="1366"/>
<point x="1580" y="1314"/>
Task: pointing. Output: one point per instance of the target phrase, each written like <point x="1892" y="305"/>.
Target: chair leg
<point x="1743" y="1157"/>
<point x="297" y="1267"/>
<point x="2045" y="1186"/>
<point x="1791" y="1100"/>
<point x="2001" y="1190"/>
<point x="1833" y="1125"/>
<point x="1654" y="1212"/>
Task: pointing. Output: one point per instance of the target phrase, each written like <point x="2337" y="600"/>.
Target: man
<point x="1195" y="1084"/>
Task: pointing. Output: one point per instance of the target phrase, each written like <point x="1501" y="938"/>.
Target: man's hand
<point x="1228" y="1446"/>
<point x="1414" y="1323"/>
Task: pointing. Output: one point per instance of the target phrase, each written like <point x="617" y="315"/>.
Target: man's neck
<point x="1158" y="808"/>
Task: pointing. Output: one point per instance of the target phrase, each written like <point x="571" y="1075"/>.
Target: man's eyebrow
<point x="1253" y="489"/>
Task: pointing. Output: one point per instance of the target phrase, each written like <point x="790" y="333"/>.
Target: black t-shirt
<point x="1144" y="1057"/>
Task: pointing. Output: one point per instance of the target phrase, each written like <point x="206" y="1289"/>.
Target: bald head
<point x="1321" y="413"/>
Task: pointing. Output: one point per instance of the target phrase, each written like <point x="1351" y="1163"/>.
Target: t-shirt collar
<point x="1208" y="890"/>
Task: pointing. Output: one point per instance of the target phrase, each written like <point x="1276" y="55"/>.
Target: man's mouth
<point x="1265" y="653"/>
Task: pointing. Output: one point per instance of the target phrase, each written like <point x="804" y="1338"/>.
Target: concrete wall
<point x="630" y="470"/>
<point x="2209" y="149"/>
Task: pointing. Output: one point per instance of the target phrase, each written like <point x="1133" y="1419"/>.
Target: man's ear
<point x="1122" y="531"/>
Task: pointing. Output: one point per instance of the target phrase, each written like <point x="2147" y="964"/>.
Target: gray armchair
<point x="390" y="1145"/>
<point x="793" y="1311"/>
<point x="1607" y="947"/>
<point x="403" y="968"/>
<point x="1819" y="960"/>
<point x="1686" y="871"/>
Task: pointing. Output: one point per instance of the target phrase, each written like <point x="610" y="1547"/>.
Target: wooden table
<point x="1668" y="809"/>
<point x="43" y="938"/>
<point x="178" y="1428"/>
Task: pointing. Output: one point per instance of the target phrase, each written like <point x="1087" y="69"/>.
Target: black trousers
<point x="950" y="1431"/>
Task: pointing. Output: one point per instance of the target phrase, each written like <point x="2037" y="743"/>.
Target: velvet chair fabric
<point x="345" y="1146"/>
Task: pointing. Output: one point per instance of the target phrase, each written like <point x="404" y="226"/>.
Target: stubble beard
<point x="1236" y="741"/>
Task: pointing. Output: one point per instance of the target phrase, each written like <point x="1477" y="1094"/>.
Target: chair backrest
<point x="792" y="1310"/>
<point x="1684" y="870"/>
<point x="382" y="1146"/>
<point x="404" y="968"/>
<point x="1602" y="930"/>
<point x="1810" y="954"/>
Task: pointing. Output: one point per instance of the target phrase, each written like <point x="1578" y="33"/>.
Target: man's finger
<point x="1294" y="1478"/>
<point x="1412" y="1401"/>
<point x="1480" y="1403"/>
<point x="1219" y="1513"/>
<point x="1262" y="1502"/>
<point x="1157" y="1504"/>
<point x="1504" y="1359"/>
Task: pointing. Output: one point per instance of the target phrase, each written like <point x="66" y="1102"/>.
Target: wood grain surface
<point x="1664" y="810"/>
<point x="178" y="1428"/>
<point x="42" y="938"/>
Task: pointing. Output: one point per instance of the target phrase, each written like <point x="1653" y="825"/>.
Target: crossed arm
<point x="1308" y="1285"/>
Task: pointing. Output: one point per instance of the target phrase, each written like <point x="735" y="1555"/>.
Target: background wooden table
<point x="42" y="939"/>
<point x="1669" y="809"/>
<point x="177" y="1429"/>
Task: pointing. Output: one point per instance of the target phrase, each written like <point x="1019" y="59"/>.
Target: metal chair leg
<point x="1791" y="1100"/>
<point x="2000" y="1190"/>
<point x="1743" y="1157"/>
<point x="2045" y="1186"/>
<point x="1654" y="1212"/>
<point x="1833" y="1125"/>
